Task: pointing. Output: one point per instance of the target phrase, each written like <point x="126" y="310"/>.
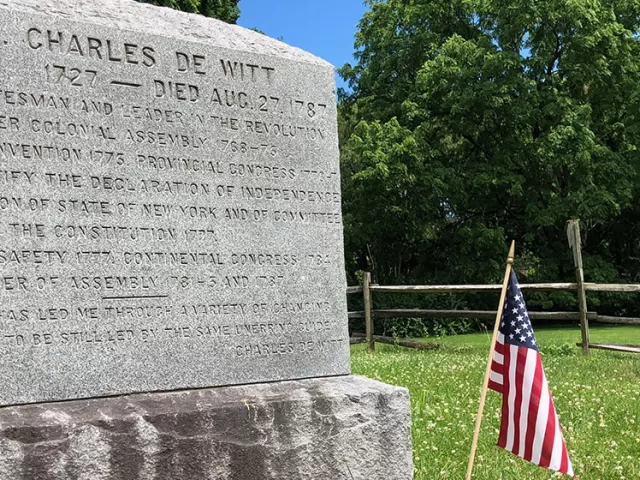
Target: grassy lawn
<point x="597" y="399"/>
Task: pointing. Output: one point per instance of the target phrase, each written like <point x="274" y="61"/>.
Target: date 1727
<point x="76" y="77"/>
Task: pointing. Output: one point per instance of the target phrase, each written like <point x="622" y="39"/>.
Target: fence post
<point x="368" y="314"/>
<point x="573" y="233"/>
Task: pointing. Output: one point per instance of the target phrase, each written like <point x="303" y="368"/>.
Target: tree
<point x="226" y="10"/>
<point x="520" y="114"/>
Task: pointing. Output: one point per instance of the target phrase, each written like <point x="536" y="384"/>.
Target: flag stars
<point x="515" y="322"/>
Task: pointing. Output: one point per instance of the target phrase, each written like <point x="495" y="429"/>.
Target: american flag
<point x="529" y="427"/>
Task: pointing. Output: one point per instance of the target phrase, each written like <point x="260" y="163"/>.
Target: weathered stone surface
<point x="169" y="204"/>
<point x="320" y="429"/>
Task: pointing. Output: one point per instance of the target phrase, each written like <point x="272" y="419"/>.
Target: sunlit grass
<point x="597" y="399"/>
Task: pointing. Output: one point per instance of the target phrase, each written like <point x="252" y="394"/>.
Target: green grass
<point x="597" y="399"/>
<point x="555" y="336"/>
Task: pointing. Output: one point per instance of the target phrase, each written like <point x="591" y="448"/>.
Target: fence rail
<point x="479" y="314"/>
<point x="617" y="320"/>
<point x="537" y="287"/>
<point x="352" y="290"/>
<point x="468" y="288"/>
<point x="371" y="339"/>
<point x="615" y="348"/>
<point x="580" y="287"/>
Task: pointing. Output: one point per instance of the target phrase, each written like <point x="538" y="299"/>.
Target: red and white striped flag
<point x="529" y="427"/>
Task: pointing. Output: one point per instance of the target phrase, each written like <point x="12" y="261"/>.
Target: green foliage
<point x="561" y="349"/>
<point x="423" y="327"/>
<point x="226" y="10"/>
<point x="473" y="122"/>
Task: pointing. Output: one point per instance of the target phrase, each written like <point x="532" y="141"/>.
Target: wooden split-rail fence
<point x="367" y="289"/>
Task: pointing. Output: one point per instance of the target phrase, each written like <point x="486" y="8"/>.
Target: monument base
<point x="333" y="428"/>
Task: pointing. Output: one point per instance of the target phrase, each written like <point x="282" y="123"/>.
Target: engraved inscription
<point x="163" y="202"/>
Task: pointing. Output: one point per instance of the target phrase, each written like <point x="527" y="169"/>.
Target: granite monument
<point x="169" y="207"/>
<point x="172" y="286"/>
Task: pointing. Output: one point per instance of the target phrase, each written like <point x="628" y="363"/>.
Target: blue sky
<point x="325" y="28"/>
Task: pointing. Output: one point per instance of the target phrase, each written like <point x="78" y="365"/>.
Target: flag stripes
<point x="530" y="427"/>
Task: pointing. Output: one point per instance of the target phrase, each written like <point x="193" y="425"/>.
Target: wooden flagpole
<point x="485" y="386"/>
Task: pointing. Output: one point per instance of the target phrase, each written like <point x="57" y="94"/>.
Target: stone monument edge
<point x="239" y="432"/>
<point x="168" y="23"/>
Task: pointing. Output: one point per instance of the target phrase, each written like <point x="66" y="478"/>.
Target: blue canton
<point x="515" y="324"/>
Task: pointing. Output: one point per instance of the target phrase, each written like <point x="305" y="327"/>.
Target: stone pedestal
<point x="333" y="428"/>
